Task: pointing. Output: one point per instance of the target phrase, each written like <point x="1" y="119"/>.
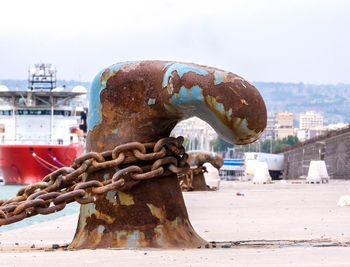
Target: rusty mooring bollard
<point x="143" y="101"/>
<point x="194" y="179"/>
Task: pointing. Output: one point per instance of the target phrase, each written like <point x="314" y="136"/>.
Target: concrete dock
<point x="282" y="224"/>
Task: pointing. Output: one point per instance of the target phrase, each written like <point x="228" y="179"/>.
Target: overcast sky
<point x="278" y="41"/>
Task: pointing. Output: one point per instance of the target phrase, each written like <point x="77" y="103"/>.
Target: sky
<point x="268" y="41"/>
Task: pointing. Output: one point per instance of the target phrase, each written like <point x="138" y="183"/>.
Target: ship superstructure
<point x="43" y="116"/>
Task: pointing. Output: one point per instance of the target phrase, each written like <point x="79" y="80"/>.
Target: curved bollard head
<point x="151" y="97"/>
<point x="198" y="158"/>
<point x="143" y="101"/>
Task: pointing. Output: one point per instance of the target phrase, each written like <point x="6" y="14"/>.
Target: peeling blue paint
<point x="192" y="102"/>
<point x="187" y="97"/>
<point x="159" y="228"/>
<point x="110" y="196"/>
<point x="183" y="94"/>
<point x="244" y="126"/>
<point x="101" y="228"/>
<point x="181" y="70"/>
<point x="133" y="239"/>
<point x="221" y="108"/>
<point x="237" y="122"/>
<point x="95" y="116"/>
<point x="151" y="101"/>
<point x="91" y="208"/>
<point x="218" y="78"/>
<point x="196" y="94"/>
<point x="115" y="131"/>
<point x="106" y="176"/>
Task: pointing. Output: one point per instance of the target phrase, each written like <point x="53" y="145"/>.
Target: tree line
<point x="267" y="146"/>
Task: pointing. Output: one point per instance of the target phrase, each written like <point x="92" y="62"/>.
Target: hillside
<point x="23" y="84"/>
<point x="331" y="100"/>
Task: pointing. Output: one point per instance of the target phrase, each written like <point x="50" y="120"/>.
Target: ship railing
<point x="72" y="138"/>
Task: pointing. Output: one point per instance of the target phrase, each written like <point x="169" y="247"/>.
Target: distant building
<point x="310" y="120"/>
<point x="336" y="126"/>
<point x="302" y="135"/>
<point x="285" y="125"/>
<point x="269" y="132"/>
<point x="198" y="132"/>
<point x="311" y="125"/>
<point x="279" y="126"/>
<point x="305" y="134"/>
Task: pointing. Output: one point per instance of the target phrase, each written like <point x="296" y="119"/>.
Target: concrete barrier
<point x="317" y="172"/>
<point x="212" y="177"/>
<point x="261" y="175"/>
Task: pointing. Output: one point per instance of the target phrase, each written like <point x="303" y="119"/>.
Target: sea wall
<point x="334" y="148"/>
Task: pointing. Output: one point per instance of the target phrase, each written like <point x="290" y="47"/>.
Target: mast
<point x="43" y="77"/>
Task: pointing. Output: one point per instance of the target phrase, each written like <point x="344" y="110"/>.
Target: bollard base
<point x="199" y="183"/>
<point x="150" y="215"/>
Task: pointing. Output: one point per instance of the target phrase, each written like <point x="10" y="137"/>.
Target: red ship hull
<point x="27" y="164"/>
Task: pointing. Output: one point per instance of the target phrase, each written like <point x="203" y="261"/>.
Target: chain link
<point x="186" y="178"/>
<point x="68" y="184"/>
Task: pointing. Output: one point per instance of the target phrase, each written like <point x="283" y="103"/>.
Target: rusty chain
<point x="69" y="184"/>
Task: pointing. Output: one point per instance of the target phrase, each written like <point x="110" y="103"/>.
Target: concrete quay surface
<point x="292" y="224"/>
